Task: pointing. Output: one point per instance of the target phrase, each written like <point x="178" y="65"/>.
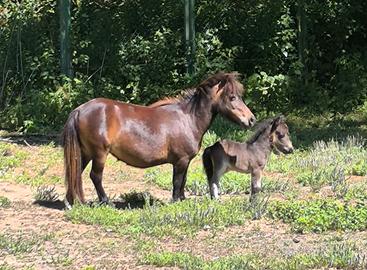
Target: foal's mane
<point x="260" y="130"/>
<point x="229" y="81"/>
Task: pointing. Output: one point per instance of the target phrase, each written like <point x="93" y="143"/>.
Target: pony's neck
<point x="202" y="113"/>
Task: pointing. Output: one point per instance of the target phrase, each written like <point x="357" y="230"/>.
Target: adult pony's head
<point x="226" y="93"/>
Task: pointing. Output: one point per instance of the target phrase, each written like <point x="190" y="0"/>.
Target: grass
<point x="319" y="188"/>
<point x="20" y="243"/>
<point x="344" y="256"/>
<point x="17" y="166"/>
<point x="176" y="219"/>
<point x="10" y="157"/>
<point x="320" y="215"/>
<point x="4" y="202"/>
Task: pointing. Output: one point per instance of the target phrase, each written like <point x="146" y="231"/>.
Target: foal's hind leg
<point x="96" y="176"/>
<point x="219" y="168"/>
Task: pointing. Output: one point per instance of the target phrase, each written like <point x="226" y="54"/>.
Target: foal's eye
<point x="281" y="136"/>
<point x="232" y="98"/>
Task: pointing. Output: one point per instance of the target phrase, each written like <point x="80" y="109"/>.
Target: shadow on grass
<point x="131" y="200"/>
<point x="31" y="139"/>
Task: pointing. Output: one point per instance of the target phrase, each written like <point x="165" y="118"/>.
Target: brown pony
<point x="168" y="131"/>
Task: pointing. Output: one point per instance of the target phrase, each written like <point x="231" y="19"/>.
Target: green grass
<point x="5" y="266"/>
<point x="344" y="256"/>
<point x="10" y="157"/>
<point x="20" y="243"/>
<point x="182" y="218"/>
<point x="320" y="215"/>
<point x="38" y="180"/>
<point x="4" y="202"/>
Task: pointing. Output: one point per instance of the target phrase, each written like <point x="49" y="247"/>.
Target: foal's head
<point x="225" y="91"/>
<point x="279" y="136"/>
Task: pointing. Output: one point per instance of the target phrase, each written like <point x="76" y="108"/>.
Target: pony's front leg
<point x="255" y="183"/>
<point x="179" y="179"/>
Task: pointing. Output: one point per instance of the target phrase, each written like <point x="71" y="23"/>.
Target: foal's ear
<point x="275" y="123"/>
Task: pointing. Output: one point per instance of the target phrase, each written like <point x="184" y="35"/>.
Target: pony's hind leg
<point x="96" y="174"/>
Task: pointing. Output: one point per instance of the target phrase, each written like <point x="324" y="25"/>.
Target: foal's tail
<point x="72" y="160"/>
<point x="207" y="163"/>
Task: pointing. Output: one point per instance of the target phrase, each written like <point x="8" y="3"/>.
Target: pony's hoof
<point x="67" y="204"/>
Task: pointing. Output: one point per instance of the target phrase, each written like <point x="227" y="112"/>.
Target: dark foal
<point x="248" y="157"/>
<point x="168" y="131"/>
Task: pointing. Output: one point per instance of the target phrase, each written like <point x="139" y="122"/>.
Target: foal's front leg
<point x="255" y="183"/>
<point x="179" y="179"/>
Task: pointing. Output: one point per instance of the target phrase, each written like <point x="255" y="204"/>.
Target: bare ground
<point x="56" y="243"/>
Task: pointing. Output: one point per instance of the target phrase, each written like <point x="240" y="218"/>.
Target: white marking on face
<point x="244" y="120"/>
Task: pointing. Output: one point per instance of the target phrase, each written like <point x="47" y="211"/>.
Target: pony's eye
<point x="232" y="98"/>
<point x="281" y="136"/>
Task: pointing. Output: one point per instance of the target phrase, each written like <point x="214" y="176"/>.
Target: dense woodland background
<point x="297" y="56"/>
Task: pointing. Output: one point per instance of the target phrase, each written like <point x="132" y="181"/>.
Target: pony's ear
<point x="217" y="90"/>
<point x="275" y="123"/>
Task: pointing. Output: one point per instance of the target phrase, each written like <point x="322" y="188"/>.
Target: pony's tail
<point x="207" y="163"/>
<point x="72" y="160"/>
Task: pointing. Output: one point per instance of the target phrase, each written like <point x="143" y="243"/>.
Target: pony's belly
<point x="142" y="159"/>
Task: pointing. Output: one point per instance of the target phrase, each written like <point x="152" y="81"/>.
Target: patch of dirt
<point x="60" y="244"/>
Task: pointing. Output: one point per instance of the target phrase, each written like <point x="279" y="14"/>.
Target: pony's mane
<point x="260" y="129"/>
<point x="227" y="80"/>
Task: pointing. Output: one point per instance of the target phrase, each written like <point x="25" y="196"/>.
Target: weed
<point x="4" y="202"/>
<point x="89" y="267"/>
<point x="46" y="193"/>
<point x="18" y="244"/>
<point x="5" y="266"/>
<point x="357" y="192"/>
<point x="258" y="205"/>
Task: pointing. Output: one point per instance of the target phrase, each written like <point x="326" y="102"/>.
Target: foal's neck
<point x="262" y="144"/>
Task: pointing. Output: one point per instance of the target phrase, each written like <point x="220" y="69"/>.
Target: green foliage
<point x="135" y="52"/>
<point x="4" y="202"/>
<point x="359" y="168"/>
<point x="320" y="215"/>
